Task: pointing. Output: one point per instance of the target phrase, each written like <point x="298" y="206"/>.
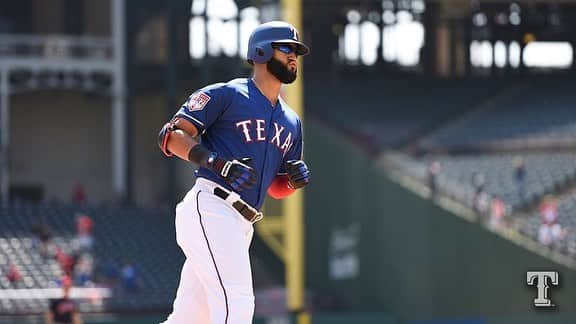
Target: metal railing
<point x="54" y="46"/>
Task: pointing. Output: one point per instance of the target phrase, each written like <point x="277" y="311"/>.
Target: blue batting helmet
<point x="275" y="32"/>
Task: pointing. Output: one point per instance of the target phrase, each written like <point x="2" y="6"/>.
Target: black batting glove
<point x="236" y="173"/>
<point x="298" y="173"/>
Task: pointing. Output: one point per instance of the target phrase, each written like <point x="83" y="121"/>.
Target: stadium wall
<point x="60" y="138"/>
<point x="372" y="246"/>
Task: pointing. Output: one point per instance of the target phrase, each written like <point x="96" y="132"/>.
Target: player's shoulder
<point x="289" y="112"/>
<point x="229" y="87"/>
<point x="239" y="85"/>
<point x="213" y="88"/>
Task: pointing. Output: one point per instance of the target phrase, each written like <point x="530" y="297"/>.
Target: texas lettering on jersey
<point x="255" y="130"/>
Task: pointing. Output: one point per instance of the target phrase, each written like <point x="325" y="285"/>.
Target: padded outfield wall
<point x="373" y="246"/>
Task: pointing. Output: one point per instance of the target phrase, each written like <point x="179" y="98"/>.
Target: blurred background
<point x="441" y="136"/>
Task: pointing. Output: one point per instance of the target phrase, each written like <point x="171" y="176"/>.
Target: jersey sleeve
<point x="204" y="106"/>
<point x="295" y="152"/>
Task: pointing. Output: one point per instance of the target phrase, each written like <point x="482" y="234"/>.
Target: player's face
<point x="284" y="65"/>
<point x="286" y="53"/>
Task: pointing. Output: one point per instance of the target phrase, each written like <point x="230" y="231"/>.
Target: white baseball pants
<point x="216" y="279"/>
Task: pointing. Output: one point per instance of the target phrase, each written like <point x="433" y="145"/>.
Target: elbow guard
<point x="164" y="135"/>
<point x="280" y="188"/>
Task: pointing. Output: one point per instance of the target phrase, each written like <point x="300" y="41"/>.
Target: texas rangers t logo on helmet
<point x="294" y="33"/>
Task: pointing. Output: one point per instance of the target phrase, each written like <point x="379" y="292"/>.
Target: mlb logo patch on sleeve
<point x="197" y="101"/>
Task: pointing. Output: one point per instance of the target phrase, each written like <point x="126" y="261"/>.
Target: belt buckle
<point x="258" y="217"/>
<point x="234" y="197"/>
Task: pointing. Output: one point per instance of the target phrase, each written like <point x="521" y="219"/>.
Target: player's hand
<point x="238" y="174"/>
<point x="298" y="173"/>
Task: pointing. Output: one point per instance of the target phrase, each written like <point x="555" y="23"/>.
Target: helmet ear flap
<point x="262" y="53"/>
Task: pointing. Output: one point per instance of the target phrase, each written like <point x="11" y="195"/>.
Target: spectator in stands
<point x="497" y="213"/>
<point x="433" y="171"/>
<point x="480" y="201"/>
<point x="111" y="273"/>
<point x="83" y="270"/>
<point x="14" y="276"/>
<point x="66" y="261"/>
<point x="79" y="194"/>
<point x="63" y="310"/>
<point x="42" y="237"/>
<point x="520" y="177"/>
<point x="84" y="238"/>
<point x="130" y="280"/>
<point x="550" y="231"/>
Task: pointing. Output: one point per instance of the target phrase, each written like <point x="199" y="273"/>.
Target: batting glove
<point x="236" y="173"/>
<point x="298" y="173"/>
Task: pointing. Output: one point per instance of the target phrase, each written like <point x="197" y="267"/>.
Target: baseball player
<point x="64" y="309"/>
<point x="247" y="142"/>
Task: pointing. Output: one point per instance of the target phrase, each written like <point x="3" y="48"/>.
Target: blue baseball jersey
<point x="236" y="120"/>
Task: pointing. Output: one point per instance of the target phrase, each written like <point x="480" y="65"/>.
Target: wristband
<point x="200" y="155"/>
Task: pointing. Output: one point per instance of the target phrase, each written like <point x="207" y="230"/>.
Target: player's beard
<point x="281" y="71"/>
